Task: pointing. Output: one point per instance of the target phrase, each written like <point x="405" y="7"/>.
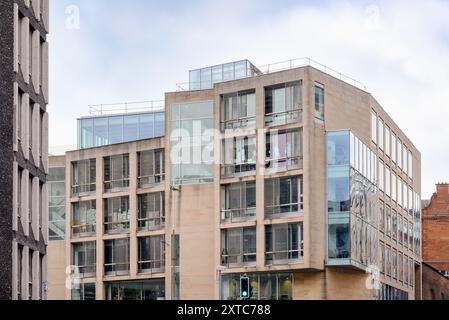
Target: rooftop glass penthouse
<point x="118" y="123"/>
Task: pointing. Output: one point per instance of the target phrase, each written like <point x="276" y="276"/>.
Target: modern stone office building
<point x="295" y="178"/>
<point x="23" y="148"/>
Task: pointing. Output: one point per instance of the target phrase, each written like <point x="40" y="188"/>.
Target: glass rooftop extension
<point x="123" y="122"/>
<point x="205" y="78"/>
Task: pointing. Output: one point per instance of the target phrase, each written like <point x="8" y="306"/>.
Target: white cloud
<point x="399" y="49"/>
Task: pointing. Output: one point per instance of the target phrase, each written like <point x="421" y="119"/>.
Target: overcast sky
<point x="138" y="49"/>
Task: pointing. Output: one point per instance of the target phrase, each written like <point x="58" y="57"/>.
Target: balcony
<point x="233" y="170"/>
<point x="238" y="215"/>
<point x="79" y="190"/>
<point x="151" y="221"/>
<point x="116" y="185"/>
<point x="284" y="164"/>
<point x="150" y="181"/>
<point x="284" y="117"/>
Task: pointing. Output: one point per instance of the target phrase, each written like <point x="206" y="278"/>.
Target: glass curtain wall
<point x="192" y="143"/>
<point x="56" y="203"/>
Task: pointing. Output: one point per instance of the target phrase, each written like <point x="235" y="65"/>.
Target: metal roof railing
<point x="293" y="64"/>
<point x="126" y="108"/>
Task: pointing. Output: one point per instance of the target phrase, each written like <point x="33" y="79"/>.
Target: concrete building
<point x="23" y="148"/>
<point x="295" y="178"/>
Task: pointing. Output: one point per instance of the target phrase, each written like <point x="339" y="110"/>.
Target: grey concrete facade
<point x="23" y="148"/>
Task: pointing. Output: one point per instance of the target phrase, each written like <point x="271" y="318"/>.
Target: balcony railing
<point x="238" y="123"/>
<point x="116" y="226"/>
<point x="152" y="266"/>
<point x="238" y="260"/>
<point x="282" y="210"/>
<point x="152" y="221"/>
<point x="284" y="164"/>
<point x="231" y="170"/>
<point x="83" y="189"/>
<point x="284" y="257"/>
<point x="150" y="181"/>
<point x="86" y="271"/>
<point x="238" y="215"/>
<point x="83" y="230"/>
<point x="116" y="268"/>
<point x="280" y="118"/>
<point x="116" y="185"/>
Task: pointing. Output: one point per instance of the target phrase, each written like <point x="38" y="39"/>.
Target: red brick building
<point x="435" y="231"/>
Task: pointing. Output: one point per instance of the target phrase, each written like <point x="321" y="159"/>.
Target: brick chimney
<point x="443" y="189"/>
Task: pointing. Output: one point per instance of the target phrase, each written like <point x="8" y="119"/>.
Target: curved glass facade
<point x="101" y="131"/>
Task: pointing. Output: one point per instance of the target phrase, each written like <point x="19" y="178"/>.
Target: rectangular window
<point x="393" y="146"/>
<point x="381" y="134"/>
<point x="387" y="141"/>
<point x="410" y="164"/>
<point x="284" y="150"/>
<point x="404" y="159"/>
<point x="374" y="126"/>
<point x="56" y="202"/>
<point x="400" y="198"/>
<point x="238" y="247"/>
<point x="30" y="125"/>
<point x="283" y="196"/>
<point x="389" y="220"/>
<point x="30" y="202"/>
<point x="382" y="217"/>
<point x="382" y="258"/>
<point x="144" y="290"/>
<point x="239" y="156"/>
<point x="283" y="104"/>
<point x="84" y="218"/>
<point x="84" y="258"/>
<point x="393" y="187"/>
<point x="151" y="254"/>
<point x="388" y="181"/>
<point x="400" y="154"/>
<point x="151" y="168"/>
<point x="400" y="229"/>
<point x="192" y="143"/>
<point x="339" y="244"/>
<point x="84" y="292"/>
<point x="116" y="173"/>
<point x="381" y="176"/>
<point x="83" y="177"/>
<point x="283" y="244"/>
<point x="238" y="110"/>
<point x="238" y="201"/>
<point x="116" y="257"/>
<point x="151" y="211"/>
<point x="394" y="224"/>
<point x="319" y="101"/>
<point x="116" y="215"/>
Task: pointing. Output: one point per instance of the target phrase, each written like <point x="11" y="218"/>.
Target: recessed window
<point x="283" y="103"/>
<point x="319" y="101"/>
<point x="238" y="201"/>
<point x="238" y="247"/>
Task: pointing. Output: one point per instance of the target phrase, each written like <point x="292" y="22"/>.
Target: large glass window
<point x="374" y="126"/>
<point x="151" y="211"/>
<point x="381" y="134"/>
<point x="381" y="176"/>
<point x="84" y="259"/>
<point x="100" y="131"/>
<point x="116" y="257"/>
<point x="192" y="143"/>
<point x="400" y="154"/>
<point x="116" y="214"/>
<point x="410" y="164"/>
<point x="387" y="141"/>
<point x="238" y="247"/>
<point x="339" y="245"/>
<point x="84" y="177"/>
<point x="238" y="201"/>
<point x="393" y="147"/>
<point x="151" y="168"/>
<point x="135" y="290"/>
<point x="83" y="218"/>
<point x="393" y="187"/>
<point x="388" y="181"/>
<point x="382" y="217"/>
<point x="151" y="254"/>
<point x="338" y="190"/>
<point x="283" y="243"/>
<point x="284" y="150"/>
<point x="238" y="110"/>
<point x="56" y="203"/>
<point x="404" y="159"/>
<point x="116" y="173"/>
<point x="319" y="101"/>
<point x="283" y="103"/>
<point x="84" y="292"/>
<point x="283" y="196"/>
<point x="238" y="156"/>
<point x="263" y="286"/>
